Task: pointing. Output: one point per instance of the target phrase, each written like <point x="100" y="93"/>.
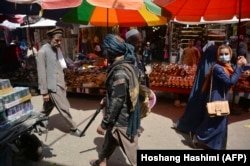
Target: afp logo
<point x="234" y="157"/>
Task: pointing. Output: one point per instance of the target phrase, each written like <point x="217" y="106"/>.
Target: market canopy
<point x="234" y="20"/>
<point x="107" y="17"/>
<point x="209" y="10"/>
<point x="131" y="4"/>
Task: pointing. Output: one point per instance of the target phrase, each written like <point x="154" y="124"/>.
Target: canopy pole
<point x="238" y="29"/>
<point x="28" y="27"/>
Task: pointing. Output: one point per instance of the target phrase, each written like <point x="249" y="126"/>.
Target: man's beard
<point x="56" y="45"/>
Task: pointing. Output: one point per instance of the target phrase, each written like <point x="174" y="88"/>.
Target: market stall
<point x="167" y="78"/>
<point x="86" y="78"/>
<point x="172" y="78"/>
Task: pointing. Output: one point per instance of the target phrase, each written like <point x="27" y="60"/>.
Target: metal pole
<point x="238" y="29"/>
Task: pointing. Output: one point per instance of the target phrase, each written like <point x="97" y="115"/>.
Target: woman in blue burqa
<point x="192" y="116"/>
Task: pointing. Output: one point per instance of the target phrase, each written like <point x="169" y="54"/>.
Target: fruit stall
<point x="172" y="78"/>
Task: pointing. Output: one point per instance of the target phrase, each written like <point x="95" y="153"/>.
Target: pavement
<point x="63" y="149"/>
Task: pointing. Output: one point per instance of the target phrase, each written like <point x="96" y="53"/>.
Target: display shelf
<point x="182" y="34"/>
<point x="216" y="32"/>
<point x="216" y="36"/>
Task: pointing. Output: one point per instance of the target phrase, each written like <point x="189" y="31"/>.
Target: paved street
<point x="62" y="149"/>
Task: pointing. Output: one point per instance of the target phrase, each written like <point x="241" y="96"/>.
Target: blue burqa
<point x="193" y="115"/>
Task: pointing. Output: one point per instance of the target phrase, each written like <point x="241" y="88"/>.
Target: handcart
<point x="18" y="138"/>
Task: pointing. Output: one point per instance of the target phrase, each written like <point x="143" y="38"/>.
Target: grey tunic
<point x="51" y="81"/>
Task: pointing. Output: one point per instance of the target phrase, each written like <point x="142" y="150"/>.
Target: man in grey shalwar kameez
<point x="50" y="66"/>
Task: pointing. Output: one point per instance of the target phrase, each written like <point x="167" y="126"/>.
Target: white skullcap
<point x="131" y="32"/>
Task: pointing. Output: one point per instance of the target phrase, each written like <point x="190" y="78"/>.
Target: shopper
<point x="212" y="132"/>
<point x="50" y="66"/>
<point x="192" y="116"/>
<point x="134" y="38"/>
<point x="122" y="115"/>
<point x="147" y="54"/>
<point x="191" y="55"/>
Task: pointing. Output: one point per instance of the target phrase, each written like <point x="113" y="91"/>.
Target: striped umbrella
<point x="102" y="16"/>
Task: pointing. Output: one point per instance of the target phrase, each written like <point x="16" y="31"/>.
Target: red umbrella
<point x="209" y="10"/>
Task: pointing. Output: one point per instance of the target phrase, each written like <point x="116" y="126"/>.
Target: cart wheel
<point x="32" y="147"/>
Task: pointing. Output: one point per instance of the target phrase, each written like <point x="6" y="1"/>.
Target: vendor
<point x="85" y="45"/>
<point x="97" y="46"/>
<point x="31" y="50"/>
<point x="191" y="55"/>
